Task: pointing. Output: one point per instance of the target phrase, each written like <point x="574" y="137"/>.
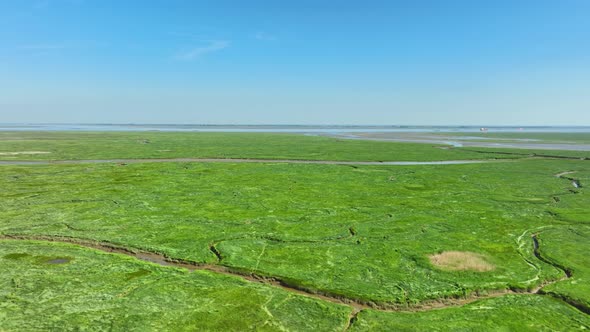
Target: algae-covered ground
<point x="490" y="246"/>
<point x="90" y="290"/>
<point x="111" y="145"/>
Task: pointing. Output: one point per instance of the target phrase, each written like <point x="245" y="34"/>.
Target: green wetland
<point x="185" y="244"/>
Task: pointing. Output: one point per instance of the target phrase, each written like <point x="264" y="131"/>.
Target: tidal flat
<point x="270" y="245"/>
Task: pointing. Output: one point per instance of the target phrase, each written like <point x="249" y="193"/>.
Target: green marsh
<point x="363" y="233"/>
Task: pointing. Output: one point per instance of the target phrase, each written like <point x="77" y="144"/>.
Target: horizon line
<point x="286" y="125"/>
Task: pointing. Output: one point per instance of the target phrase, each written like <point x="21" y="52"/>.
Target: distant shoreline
<point x="287" y="128"/>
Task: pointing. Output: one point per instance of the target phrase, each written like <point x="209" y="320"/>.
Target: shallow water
<point x="464" y="141"/>
<point x="58" y="261"/>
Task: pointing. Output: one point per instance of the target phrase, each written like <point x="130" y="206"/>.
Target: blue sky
<point x="296" y="62"/>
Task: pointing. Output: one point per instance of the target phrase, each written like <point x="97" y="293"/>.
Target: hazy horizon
<point x="283" y="124"/>
<point x="292" y="127"/>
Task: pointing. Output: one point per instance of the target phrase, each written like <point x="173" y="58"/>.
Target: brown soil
<point x="356" y="305"/>
<point x="461" y="261"/>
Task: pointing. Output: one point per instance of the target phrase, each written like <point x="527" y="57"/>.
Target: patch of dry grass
<point x="22" y="152"/>
<point x="461" y="261"/>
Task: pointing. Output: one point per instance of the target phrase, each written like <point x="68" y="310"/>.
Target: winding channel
<point x="242" y="160"/>
<point x="355" y="304"/>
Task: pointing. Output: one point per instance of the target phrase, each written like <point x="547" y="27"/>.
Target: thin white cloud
<point x="264" y="36"/>
<point x="195" y="53"/>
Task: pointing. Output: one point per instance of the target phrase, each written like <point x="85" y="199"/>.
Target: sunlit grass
<point x="366" y="233"/>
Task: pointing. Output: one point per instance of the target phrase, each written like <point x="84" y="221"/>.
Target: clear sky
<point x="500" y="62"/>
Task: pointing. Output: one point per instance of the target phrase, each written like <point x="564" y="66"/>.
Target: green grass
<point x="300" y="216"/>
<point x="108" y="292"/>
<point x="527" y="152"/>
<point x="569" y="247"/>
<point x="507" y="313"/>
<point x="109" y="145"/>
<point x="359" y="232"/>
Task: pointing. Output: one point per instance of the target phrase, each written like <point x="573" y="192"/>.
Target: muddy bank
<point x="464" y="141"/>
<point x="356" y="305"/>
<point x="575" y="182"/>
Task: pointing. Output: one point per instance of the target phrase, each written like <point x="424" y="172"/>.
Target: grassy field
<point x="508" y="313"/>
<point x="98" y="291"/>
<point x="397" y="238"/>
<point x="569" y="249"/>
<point x="110" y="145"/>
<point x="515" y="153"/>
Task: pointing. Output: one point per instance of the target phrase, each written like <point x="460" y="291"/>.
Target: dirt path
<point x="558" y="175"/>
<point x="356" y="305"/>
<point x="240" y="160"/>
<point x="575" y="182"/>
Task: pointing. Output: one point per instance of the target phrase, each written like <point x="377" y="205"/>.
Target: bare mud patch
<point x="461" y="261"/>
<point x="17" y="153"/>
